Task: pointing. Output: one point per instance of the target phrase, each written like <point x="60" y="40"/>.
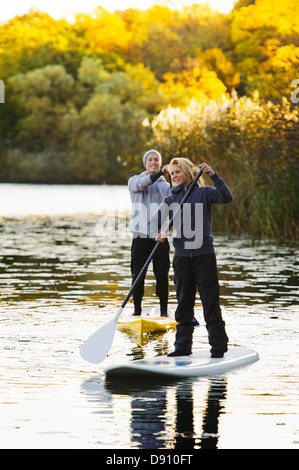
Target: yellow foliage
<point x="286" y="57"/>
<point x="32" y="31"/>
<point x="198" y="83"/>
<point x="107" y="31"/>
<point x="266" y="14"/>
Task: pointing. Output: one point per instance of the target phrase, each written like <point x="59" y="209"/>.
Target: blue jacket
<point x="192" y="228"/>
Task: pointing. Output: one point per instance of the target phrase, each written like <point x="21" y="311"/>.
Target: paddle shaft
<point x="97" y="346"/>
<point x="137" y="280"/>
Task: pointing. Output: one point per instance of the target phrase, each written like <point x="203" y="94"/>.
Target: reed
<point x="253" y="145"/>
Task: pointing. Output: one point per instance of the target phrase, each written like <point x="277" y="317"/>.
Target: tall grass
<point x="254" y="147"/>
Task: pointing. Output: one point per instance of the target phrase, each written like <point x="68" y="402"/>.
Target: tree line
<point x="84" y="100"/>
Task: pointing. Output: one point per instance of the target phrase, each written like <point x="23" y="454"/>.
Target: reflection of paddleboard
<point x="198" y="364"/>
<point x="142" y="324"/>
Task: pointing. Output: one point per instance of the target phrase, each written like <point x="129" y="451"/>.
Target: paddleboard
<point x="143" y="324"/>
<point x="198" y="364"/>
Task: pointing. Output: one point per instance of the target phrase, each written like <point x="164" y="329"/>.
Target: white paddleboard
<point x="198" y="364"/>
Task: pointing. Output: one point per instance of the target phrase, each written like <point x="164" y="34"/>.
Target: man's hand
<point x="165" y="168"/>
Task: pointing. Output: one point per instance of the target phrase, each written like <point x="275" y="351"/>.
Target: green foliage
<point x="89" y="127"/>
<point x="84" y="100"/>
<point x="101" y="135"/>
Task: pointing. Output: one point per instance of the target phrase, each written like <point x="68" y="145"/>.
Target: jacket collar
<point x="178" y="189"/>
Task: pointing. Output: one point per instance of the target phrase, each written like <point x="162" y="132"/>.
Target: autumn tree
<point x="265" y="36"/>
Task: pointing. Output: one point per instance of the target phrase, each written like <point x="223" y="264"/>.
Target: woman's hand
<point x="161" y="237"/>
<point x="206" y="169"/>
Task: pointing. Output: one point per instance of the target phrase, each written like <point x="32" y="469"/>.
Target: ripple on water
<point x="54" y="274"/>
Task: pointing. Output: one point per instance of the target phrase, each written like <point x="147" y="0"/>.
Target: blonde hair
<point x="188" y="168"/>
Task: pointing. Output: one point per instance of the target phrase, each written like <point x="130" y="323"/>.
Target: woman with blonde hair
<point x="189" y="169"/>
<point x="194" y="259"/>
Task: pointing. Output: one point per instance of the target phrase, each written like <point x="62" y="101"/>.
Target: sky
<point x="68" y="8"/>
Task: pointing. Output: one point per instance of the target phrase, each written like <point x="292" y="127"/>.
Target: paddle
<point x="97" y="346"/>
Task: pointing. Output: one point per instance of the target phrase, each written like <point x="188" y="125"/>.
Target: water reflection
<point x="215" y="406"/>
<point x="64" y="258"/>
<point x="56" y="258"/>
<point x="167" y="414"/>
<point x="54" y="274"/>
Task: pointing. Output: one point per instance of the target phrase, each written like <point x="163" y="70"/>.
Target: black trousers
<point x="140" y="250"/>
<point x="191" y="273"/>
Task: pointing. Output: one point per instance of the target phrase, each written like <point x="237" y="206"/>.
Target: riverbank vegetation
<point x="85" y="99"/>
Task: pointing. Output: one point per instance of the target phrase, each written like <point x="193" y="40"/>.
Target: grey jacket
<point x="146" y="196"/>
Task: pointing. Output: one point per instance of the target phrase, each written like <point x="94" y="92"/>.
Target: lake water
<point x="61" y="278"/>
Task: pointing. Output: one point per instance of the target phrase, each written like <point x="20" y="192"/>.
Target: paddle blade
<point x="97" y="346"/>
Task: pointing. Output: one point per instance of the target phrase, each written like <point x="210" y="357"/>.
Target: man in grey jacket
<point x="147" y="191"/>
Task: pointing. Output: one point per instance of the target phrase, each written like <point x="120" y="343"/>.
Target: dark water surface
<point x="58" y="265"/>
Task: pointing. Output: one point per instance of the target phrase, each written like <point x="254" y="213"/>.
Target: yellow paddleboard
<point x="143" y="324"/>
